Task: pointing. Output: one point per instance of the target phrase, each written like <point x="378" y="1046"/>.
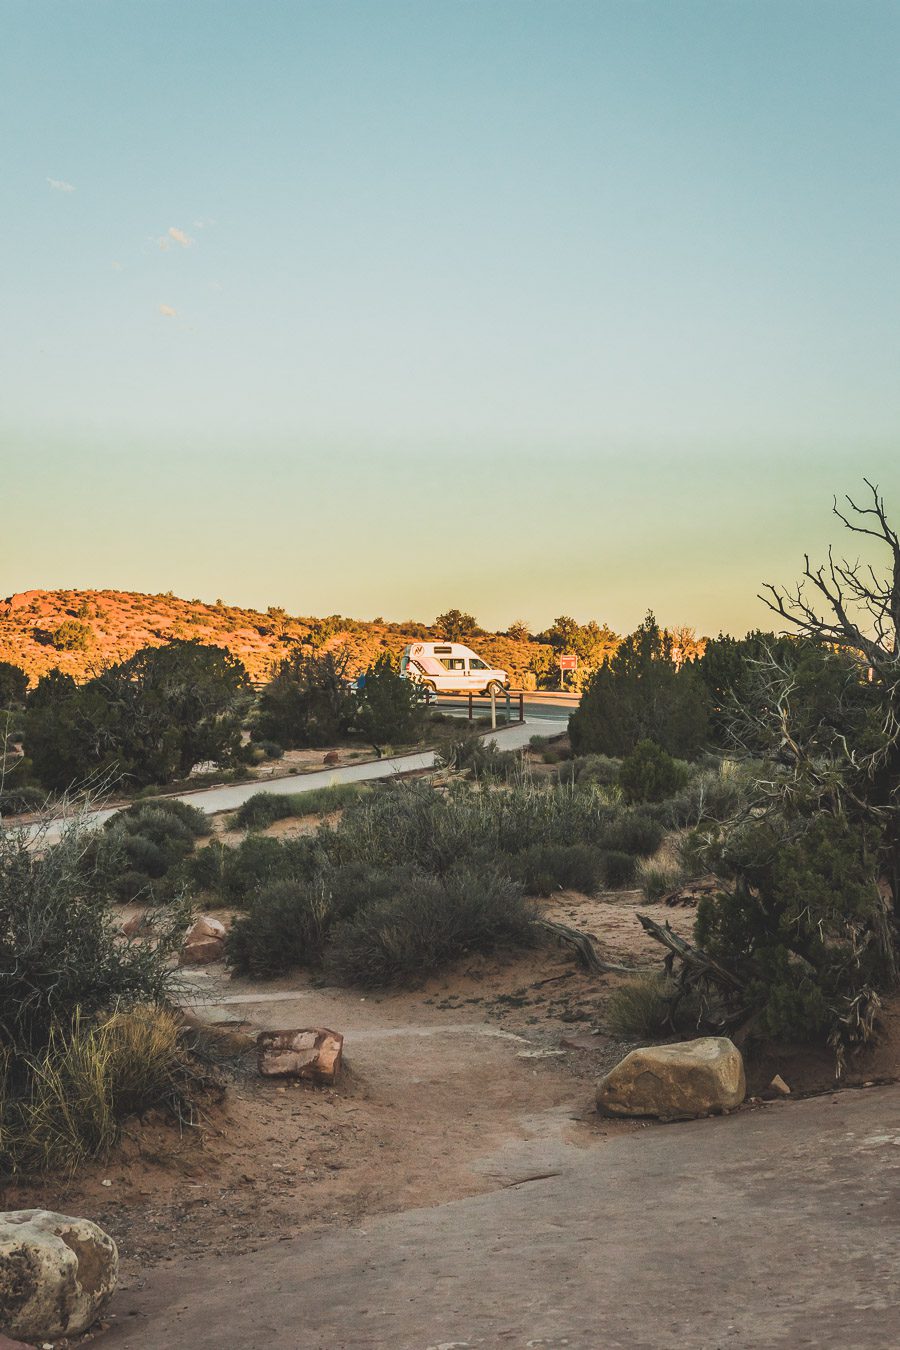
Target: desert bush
<point x="286" y="927"/>
<point x="618" y="868"/>
<point x="633" y="831"/>
<point x="72" y="636"/>
<point x="596" y="770"/>
<point x="140" y="850"/>
<point x="263" y="808"/>
<point x="650" y="774"/>
<point x="58" y="945"/>
<point x="545" y="868"/>
<point x="426" y="924"/>
<point x="89" y="1077"/>
<point x="651" y="1006"/>
<point x="658" y="876"/>
<point x="289" y="922"/>
<point x="14" y="800"/>
<point x="271" y="749"/>
<point x="308" y="702"/>
<point x="235" y="876"/>
<point x="717" y="794"/>
<point x="389" y="710"/>
<point x="804" y="927"/>
<point x="13" y="686"/>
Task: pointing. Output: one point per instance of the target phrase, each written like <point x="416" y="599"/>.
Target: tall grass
<point x="87" y="1079"/>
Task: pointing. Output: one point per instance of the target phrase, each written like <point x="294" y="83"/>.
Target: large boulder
<point x="313" y="1054"/>
<point x="57" y="1274"/>
<point x="675" y="1082"/>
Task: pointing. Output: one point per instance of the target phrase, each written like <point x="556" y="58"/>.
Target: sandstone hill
<point x="81" y="632"/>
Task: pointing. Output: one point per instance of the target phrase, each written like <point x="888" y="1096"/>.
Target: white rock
<point x="57" y="1274"/>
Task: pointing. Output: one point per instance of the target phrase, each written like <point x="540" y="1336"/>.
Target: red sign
<point x="568" y="663"/>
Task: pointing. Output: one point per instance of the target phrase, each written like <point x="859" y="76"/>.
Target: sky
<point x="527" y="307"/>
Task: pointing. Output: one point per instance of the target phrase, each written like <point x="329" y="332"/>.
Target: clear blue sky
<point x="381" y="307"/>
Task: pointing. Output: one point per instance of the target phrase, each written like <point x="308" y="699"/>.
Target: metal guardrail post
<point x="470" y="707"/>
<point x="521" y="707"/>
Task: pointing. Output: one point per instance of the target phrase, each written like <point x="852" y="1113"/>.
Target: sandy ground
<point x="450" y="1090"/>
<point x="492" y="1056"/>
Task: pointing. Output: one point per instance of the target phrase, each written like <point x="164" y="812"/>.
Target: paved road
<point x="773" y="1229"/>
<point x="230" y="796"/>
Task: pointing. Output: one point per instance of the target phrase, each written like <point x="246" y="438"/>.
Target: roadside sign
<point x="568" y="663"/>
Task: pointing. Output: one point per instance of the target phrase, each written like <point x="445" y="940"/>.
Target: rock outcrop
<point x="57" y="1274"/>
<point x="675" y="1082"/>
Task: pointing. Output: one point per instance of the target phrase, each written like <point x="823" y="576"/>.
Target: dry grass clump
<point x="72" y="1096"/>
<point x="649" y="1007"/>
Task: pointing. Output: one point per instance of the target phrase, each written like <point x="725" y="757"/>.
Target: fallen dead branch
<point x="585" y="949"/>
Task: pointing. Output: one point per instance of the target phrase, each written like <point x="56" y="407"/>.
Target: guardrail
<point x="510" y="702"/>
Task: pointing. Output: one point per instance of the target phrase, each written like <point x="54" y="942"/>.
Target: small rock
<point x="675" y="1082"/>
<point x="202" y="953"/>
<point x="205" y="927"/>
<point x="204" y="942"/>
<point x="332" y="757"/>
<point x="57" y="1274"/>
<point x="139" y="925"/>
<point x="780" y="1086"/>
<point x="314" y="1054"/>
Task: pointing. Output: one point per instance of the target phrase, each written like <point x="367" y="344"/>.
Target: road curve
<point x="230" y="796"/>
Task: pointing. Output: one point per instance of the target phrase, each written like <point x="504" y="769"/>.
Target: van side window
<point x="453" y="663"/>
<point x="476" y="664"/>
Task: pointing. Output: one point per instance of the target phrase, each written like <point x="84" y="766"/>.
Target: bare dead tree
<point x="853" y="608"/>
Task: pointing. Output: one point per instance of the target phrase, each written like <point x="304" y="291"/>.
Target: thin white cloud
<point x="116" y="266"/>
<point x="180" y="237"/>
<point x="60" y="185"/>
<point x="167" y="311"/>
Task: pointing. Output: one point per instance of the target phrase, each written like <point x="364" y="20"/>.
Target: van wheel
<point x="430" y="691"/>
<point x="495" y="688"/>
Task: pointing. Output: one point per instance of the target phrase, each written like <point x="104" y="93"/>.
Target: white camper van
<point x="450" y="668"/>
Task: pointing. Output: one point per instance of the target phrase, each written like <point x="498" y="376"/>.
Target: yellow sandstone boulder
<point x="675" y="1082"/>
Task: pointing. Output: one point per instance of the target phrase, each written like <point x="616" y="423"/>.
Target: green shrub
<point x="13" y="686"/>
<point x="804" y="928"/>
<point x="618" y="868"/>
<point x="641" y="693"/>
<point x="596" y="770"/>
<point x="427" y="924"/>
<point x="389" y="709"/>
<point x="308" y="702"/>
<point x="649" y="774"/>
<point x="59" y="949"/>
<point x="633" y="831"/>
<point x="72" y="636"/>
<point x="271" y="749"/>
<point x="289" y="921"/>
<point x="236" y="876"/>
<point x="285" y="928"/>
<point x="263" y="808"/>
<point x="545" y="868"/>
<point x="16" y="800"/>
<point x="140" y="851"/>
